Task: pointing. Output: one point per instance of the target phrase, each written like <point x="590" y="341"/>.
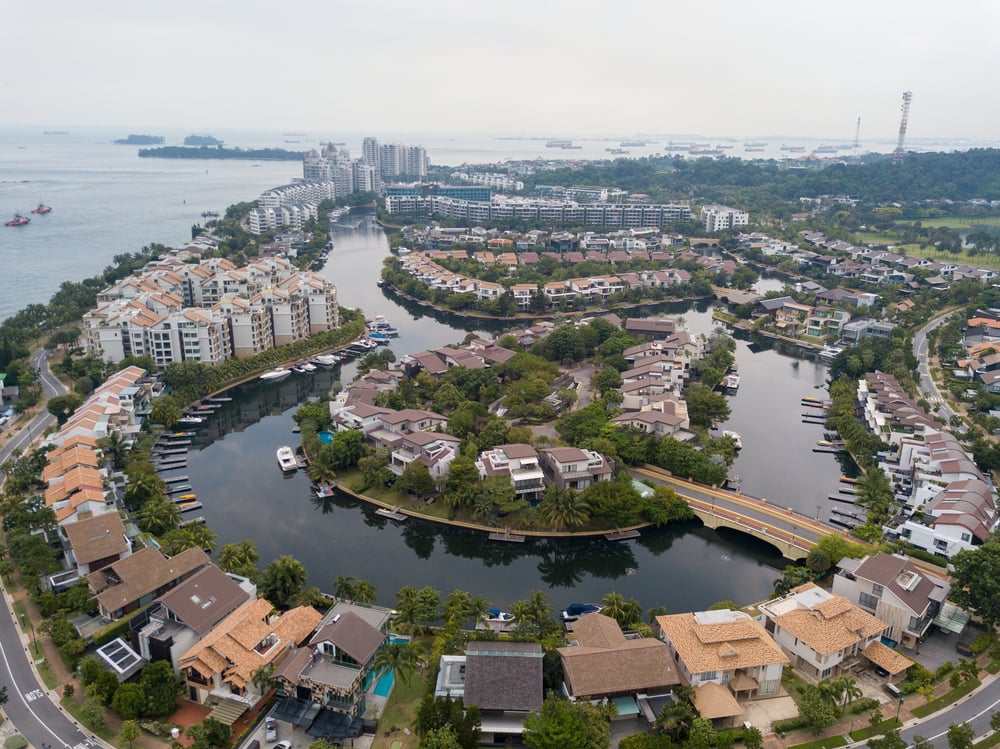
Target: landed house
<point x="724" y="647"/>
<point x="127" y="584"/>
<point x="175" y="621"/>
<point x="96" y="542"/>
<point x="662" y="415"/>
<point x="520" y="464"/>
<point x="824" y="635"/>
<point x="322" y="686"/>
<point x="573" y="468"/>
<point x="504" y="679"/>
<point x="893" y="589"/>
<point x="602" y="662"/>
<point x="222" y="666"/>
<point x="649" y="329"/>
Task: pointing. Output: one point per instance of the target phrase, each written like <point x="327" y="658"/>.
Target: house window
<point x="867" y="601"/>
<point x="709" y="676"/>
<point x="877" y="590"/>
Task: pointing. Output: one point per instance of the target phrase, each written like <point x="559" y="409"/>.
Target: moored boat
<point x="278" y="373"/>
<point x="575" y="610"/>
<point x="735" y="437"/>
<point x="190" y="420"/>
<point x="326" y="360"/>
<point x="286" y="459"/>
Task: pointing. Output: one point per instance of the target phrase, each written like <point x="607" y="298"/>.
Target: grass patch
<point x="74" y="709"/>
<point x="954" y="222"/>
<point x="993" y="666"/>
<point x="879" y="728"/>
<point x="991" y="740"/>
<point x="922" y="711"/>
<point x="828" y="743"/>
<point x="401" y="708"/>
<point x="48" y="677"/>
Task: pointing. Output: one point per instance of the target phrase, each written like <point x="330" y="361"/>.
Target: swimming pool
<point x="384" y="684"/>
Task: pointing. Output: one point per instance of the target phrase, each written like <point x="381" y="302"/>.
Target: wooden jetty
<point x="507" y="536"/>
<point x="179" y="489"/>
<point x="620" y="535"/>
<point x="325" y="490"/>
<point x="175" y="479"/>
<point x="219" y="399"/>
<point x="393" y="514"/>
<point x="190" y="506"/>
<point x="839" y="498"/>
<point x="160" y="451"/>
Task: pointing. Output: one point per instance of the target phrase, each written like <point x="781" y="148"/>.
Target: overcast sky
<point x="573" y="67"/>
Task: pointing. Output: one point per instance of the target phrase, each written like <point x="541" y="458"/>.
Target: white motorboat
<point x="735" y="437"/>
<point x="279" y="373"/>
<point x="326" y="360"/>
<point x="286" y="459"/>
<point x="308" y="367"/>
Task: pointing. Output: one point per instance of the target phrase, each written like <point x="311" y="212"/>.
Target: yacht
<point x="286" y="459"/>
<point x="279" y="373"/>
<point x="731" y="382"/>
<point x="575" y="610"/>
<point x="735" y="437"/>
<point x="326" y="360"/>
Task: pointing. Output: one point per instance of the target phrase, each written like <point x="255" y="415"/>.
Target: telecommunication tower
<point x="897" y="155"/>
<point x="856" y="148"/>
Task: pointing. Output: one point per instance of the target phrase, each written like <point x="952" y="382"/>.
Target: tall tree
<point x="976" y="581"/>
<point x="398" y="658"/>
<point x="240" y="558"/>
<point x="282" y="579"/>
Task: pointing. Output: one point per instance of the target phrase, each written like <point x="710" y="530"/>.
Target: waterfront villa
<point x="178" y="619"/>
<point x="724" y="647"/>
<point x="893" y="589"/>
<point x="96" y="542"/>
<point x="129" y="583"/>
<point x="573" y="468"/>
<point x="824" y="635"/>
<point x="602" y="662"/>
<point x="517" y="462"/>
<point x="322" y="686"/>
<point x="503" y="679"/>
<point x="222" y="665"/>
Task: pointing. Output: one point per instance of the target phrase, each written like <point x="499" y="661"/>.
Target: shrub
<point x="981" y="643"/>
<point x="791" y="724"/>
<point x="17" y="741"/>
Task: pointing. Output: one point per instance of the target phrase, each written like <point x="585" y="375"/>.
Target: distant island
<point x="202" y="140"/>
<point x="140" y="140"/>
<point x="256" y="154"/>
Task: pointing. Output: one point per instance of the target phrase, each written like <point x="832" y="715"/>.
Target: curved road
<point x="925" y="382"/>
<point x="33" y="710"/>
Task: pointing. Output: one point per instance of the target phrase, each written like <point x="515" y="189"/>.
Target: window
<point x="867" y="602"/>
<point x="877" y="590"/>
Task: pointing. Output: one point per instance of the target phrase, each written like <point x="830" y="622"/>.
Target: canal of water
<point x="234" y="472"/>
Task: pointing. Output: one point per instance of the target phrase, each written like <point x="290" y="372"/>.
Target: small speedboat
<point x="326" y="360"/>
<point x="575" y="610"/>
<point x="735" y="437"/>
<point x="190" y="420"/>
<point x="286" y="459"/>
<point x="308" y="367"/>
<point x="278" y="373"/>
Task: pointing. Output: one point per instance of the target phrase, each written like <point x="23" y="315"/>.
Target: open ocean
<point x="106" y="200"/>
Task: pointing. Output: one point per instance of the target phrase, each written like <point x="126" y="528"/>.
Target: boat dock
<point x="841" y="498"/>
<point x="174" y="442"/>
<point x="190" y="506"/>
<point x="324" y="490"/>
<point x="219" y="399"/>
<point x="393" y="514"/>
<point x="833" y="449"/>
<point x="507" y="536"/>
<point x="620" y="535"/>
<point x="175" y="479"/>
<point x="179" y="489"/>
<point x="170" y="465"/>
<point x="158" y="451"/>
<point x="193" y="521"/>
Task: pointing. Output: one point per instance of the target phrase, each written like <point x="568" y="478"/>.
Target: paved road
<point x="29" y="705"/>
<point x="975" y="710"/>
<point x="925" y="382"/>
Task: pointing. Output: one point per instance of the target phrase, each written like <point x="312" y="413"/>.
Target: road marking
<point x="33" y="695"/>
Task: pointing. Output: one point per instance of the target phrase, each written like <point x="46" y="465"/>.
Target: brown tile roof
<point x="724" y="646"/>
<point x="891" y="660"/>
<point x="831" y="626"/>
<point x="605" y="662"/>
<point x="142" y="573"/>
<point x="713" y="701"/>
<point x="504" y="676"/>
<point x="889" y="571"/>
<point x="353" y="635"/>
<point x="230" y="648"/>
<point x="96" y="538"/>
<point x="204" y="599"/>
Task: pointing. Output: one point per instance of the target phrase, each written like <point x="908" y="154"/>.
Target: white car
<point x="283" y="745"/>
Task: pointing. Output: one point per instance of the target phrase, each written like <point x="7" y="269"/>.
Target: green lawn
<point x="885" y="725"/>
<point x="954" y="222"/>
<point x="828" y="743"/>
<point x="401" y="712"/>
<point x="922" y="711"/>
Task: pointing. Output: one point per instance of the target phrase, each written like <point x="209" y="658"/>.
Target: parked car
<point x="270" y="729"/>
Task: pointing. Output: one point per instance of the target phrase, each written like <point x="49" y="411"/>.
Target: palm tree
<point x="158" y="515"/>
<point x="143" y="487"/>
<point x="539" y="606"/>
<point x="320" y="471"/>
<point x="564" y="509"/>
<point x="282" y="579"/>
<point x="478" y="608"/>
<point x="240" y="558"/>
<point x="261" y="677"/>
<point x="407" y="609"/>
<point x="343" y="587"/>
<point x="851" y="691"/>
<point x="115" y="449"/>
<point x="456" y="606"/>
<point x="364" y="592"/>
<point x="614" y="606"/>
<point x="398" y="658"/>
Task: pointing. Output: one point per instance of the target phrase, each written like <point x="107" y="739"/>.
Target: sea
<point x="106" y="200"/>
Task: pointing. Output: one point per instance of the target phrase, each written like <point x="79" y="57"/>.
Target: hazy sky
<point x="573" y="67"/>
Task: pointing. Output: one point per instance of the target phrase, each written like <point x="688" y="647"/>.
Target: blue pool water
<point x="384" y="684"/>
<point x="326" y="438"/>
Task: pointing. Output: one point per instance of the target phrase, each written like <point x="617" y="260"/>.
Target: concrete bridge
<point x="791" y="533"/>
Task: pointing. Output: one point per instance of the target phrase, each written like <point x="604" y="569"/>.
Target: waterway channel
<point x="232" y="468"/>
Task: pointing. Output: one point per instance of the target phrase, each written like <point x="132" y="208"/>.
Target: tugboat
<point x="42" y="208"/>
<point x="18" y="220"/>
